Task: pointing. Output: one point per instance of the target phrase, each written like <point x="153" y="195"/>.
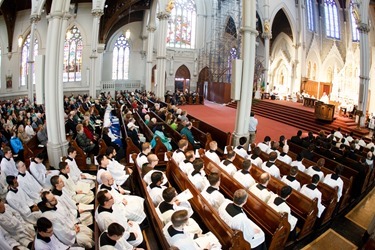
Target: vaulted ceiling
<point x="116" y="14"/>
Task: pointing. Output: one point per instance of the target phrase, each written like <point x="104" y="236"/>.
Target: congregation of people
<point x="64" y="204"/>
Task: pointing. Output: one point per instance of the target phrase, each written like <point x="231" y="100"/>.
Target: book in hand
<point x="184" y="195"/>
<point x="85" y="207"/>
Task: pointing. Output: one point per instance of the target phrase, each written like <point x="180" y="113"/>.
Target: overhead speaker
<point x="235" y="93"/>
<point x="39" y="67"/>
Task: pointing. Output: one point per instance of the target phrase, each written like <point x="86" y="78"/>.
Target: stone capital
<point x="363" y="27"/>
<point x="249" y="30"/>
<point x="267" y="35"/>
<point x="151" y="28"/>
<point x="163" y="15"/>
<point x="34" y="18"/>
<point x="97" y="12"/>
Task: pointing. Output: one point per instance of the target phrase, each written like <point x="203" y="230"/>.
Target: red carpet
<point x="224" y="118"/>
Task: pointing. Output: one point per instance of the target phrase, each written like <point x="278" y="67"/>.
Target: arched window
<point x="232" y="56"/>
<point x="181" y="26"/>
<point x="231" y="27"/>
<point x="355" y="32"/>
<point x="120" y="59"/>
<point x="331" y="19"/>
<point x="25" y="58"/>
<point x="310" y="15"/>
<point x="73" y="55"/>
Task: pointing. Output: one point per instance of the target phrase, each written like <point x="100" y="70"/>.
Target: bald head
<point x="264" y="178"/>
<point x="106" y="178"/>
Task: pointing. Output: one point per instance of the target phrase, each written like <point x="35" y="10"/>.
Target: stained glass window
<point x="181" y="25"/>
<point x="73" y="55"/>
<point x="355" y="32"/>
<point x="232" y="56"/>
<point x="331" y="19"/>
<point x="120" y="59"/>
<point x="25" y="58"/>
<point x="310" y="15"/>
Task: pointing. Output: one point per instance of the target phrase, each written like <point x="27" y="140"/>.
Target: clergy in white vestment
<point x="63" y="197"/>
<point x="142" y="156"/>
<point x="235" y="217"/>
<point x="110" y="239"/>
<point x="75" y="172"/>
<point x="198" y="176"/>
<point x="155" y="189"/>
<point x="66" y="226"/>
<point x="334" y="180"/>
<point x="211" y="154"/>
<point x="8" y="166"/>
<point x="316" y="169"/>
<point x="212" y="193"/>
<point x="103" y="163"/>
<point x="179" y="154"/>
<point x="260" y="190"/>
<point x="108" y="212"/>
<point x="147" y="171"/>
<point x="186" y="165"/>
<point x="176" y="234"/>
<point x="3" y="186"/>
<point x="117" y="170"/>
<point x="298" y="163"/>
<point x="270" y="167"/>
<point x="28" y="183"/>
<point x="80" y="192"/>
<point x="7" y="242"/>
<point x="133" y="206"/>
<point x="291" y="180"/>
<point x="171" y="204"/>
<point x="255" y="157"/>
<point x="311" y="191"/>
<point x="280" y="206"/>
<point x="227" y="164"/>
<point x="284" y="157"/>
<point x="240" y="150"/>
<point x="265" y="145"/>
<point x="243" y="176"/>
<point x="20" y="201"/>
<point x="12" y="222"/>
<point x="45" y="238"/>
<point x="39" y="171"/>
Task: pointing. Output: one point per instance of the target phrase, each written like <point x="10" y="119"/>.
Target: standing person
<point x="253" y="123"/>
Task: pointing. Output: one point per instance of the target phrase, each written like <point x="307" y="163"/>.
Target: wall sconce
<point x="127" y="34"/>
<point x="20" y="41"/>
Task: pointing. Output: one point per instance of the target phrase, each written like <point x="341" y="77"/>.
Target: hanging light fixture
<point x="127" y="33"/>
<point x="20" y="41"/>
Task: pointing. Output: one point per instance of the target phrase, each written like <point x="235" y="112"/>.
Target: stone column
<point x="96" y="13"/>
<point x="248" y="56"/>
<point x="34" y="19"/>
<point x="57" y="143"/>
<point x="150" y="51"/>
<point x="161" y="58"/>
<point x="365" y="70"/>
<point x="267" y="36"/>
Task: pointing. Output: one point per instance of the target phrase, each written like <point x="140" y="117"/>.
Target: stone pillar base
<point x="236" y="138"/>
<point x="55" y="152"/>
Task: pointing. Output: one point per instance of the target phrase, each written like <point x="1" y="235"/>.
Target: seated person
<point x="39" y="171"/>
<point x="255" y="157"/>
<point x="280" y="206"/>
<point x="291" y="179"/>
<point x="110" y="238"/>
<point x="179" y="154"/>
<point x="28" y="183"/>
<point x="311" y="191"/>
<point x="227" y="164"/>
<point x="265" y="145"/>
<point x="260" y="190"/>
<point x="243" y="176"/>
<point x="83" y="142"/>
<point x="334" y="180"/>
<point x="46" y="239"/>
<point x="316" y="169"/>
<point x="118" y="171"/>
<point x="76" y="173"/>
<point x="236" y="219"/>
<point x="198" y="176"/>
<point x="8" y="165"/>
<point x="187" y="165"/>
<point x="270" y="167"/>
<point x="212" y="193"/>
<point x="211" y="154"/>
<point x="284" y="157"/>
<point x="155" y="189"/>
<point x="142" y="156"/>
<point x="298" y="163"/>
<point x="176" y="234"/>
<point x="147" y="170"/>
<point x="109" y="212"/>
<point x="240" y="150"/>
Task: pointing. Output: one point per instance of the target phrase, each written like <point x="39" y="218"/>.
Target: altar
<point x="324" y="111"/>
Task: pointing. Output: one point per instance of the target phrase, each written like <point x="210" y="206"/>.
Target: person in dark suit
<point x="309" y="152"/>
<point x="297" y="138"/>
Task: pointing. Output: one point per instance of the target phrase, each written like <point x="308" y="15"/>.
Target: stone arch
<point x="182" y="78"/>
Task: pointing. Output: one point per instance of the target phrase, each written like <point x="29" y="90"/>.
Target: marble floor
<point x="364" y="211"/>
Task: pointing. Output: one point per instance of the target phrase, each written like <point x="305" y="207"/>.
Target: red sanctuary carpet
<point x="224" y="118"/>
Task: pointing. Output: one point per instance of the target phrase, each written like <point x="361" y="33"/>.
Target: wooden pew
<point x="31" y="149"/>
<point x="81" y="158"/>
<point x="229" y="239"/>
<point x="153" y="216"/>
<point x="275" y="226"/>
